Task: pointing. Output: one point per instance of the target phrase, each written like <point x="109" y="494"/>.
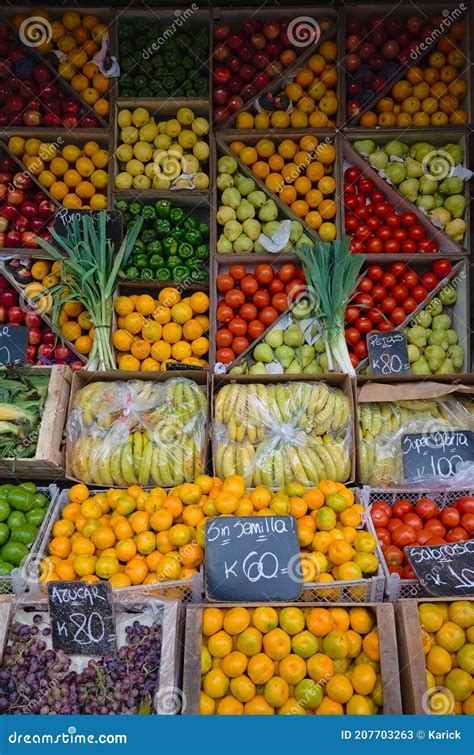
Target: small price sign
<point x="113" y="223"/>
<point x="444" y="569"/>
<point x="252" y="559"/>
<point x="82" y="618"/>
<point x="13" y="345"/>
<point x="436" y="454"/>
<point x="388" y="353"/>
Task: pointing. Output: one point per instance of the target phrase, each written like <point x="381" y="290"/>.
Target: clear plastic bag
<point x="382" y="425"/>
<point x="137" y="432"/>
<point x="272" y="434"/>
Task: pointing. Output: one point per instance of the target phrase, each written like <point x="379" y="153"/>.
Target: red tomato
<point x="422" y="537"/>
<point x="224" y="282"/>
<point x="410" y="279"/>
<point x="238" y="327"/>
<point x="264" y="274"/>
<point x="399" y="234"/>
<point x="226" y="356"/>
<point x="388" y="304"/>
<point x="280" y="302"/>
<point x="435" y="528"/>
<point x="287" y="272"/>
<point x="352" y="336"/>
<point x="383" y="536"/>
<point x="417" y="232"/>
<point x="351" y="202"/>
<point x="352" y="174"/>
<point x="234" y="298"/>
<point x="357" y="247"/>
<point x="366" y="285"/>
<point x="442" y="268"/>
<point x="373" y="222"/>
<point x="426" y="246"/>
<point x="255" y="329"/>
<point x="379" y="517"/>
<point x="248" y="311"/>
<point x="389" y="280"/>
<point x="465" y="504"/>
<point x="375" y="272"/>
<point x="408" y="573"/>
<point x="391" y="246"/>
<point x="351" y="222"/>
<point x="394" y="523"/>
<point x="363" y="325"/>
<point x="374" y="246"/>
<point x="429" y="281"/>
<point x="408" y="219"/>
<point x="467" y="521"/>
<point x="403" y="535"/>
<point x="398" y="315"/>
<point x="384" y="506"/>
<point x="362" y="213"/>
<point x="295" y="288"/>
<point x="360" y="350"/>
<point x="436" y="540"/>
<point x="402" y="507"/>
<point x="363" y="233"/>
<point x="409" y="246"/>
<point x="276" y="286"/>
<point x="450" y="517"/>
<point x="396" y="570"/>
<point x="349" y="188"/>
<point x="392" y="220"/>
<point x="268" y="315"/>
<point x="237" y="272"/>
<point x="364" y="299"/>
<point x="457" y="535"/>
<point x="366" y="186"/>
<point x="409" y="305"/>
<point x="400" y="292"/>
<point x="426" y="508"/>
<point x="385" y="327"/>
<point x="248" y="285"/>
<point x="239" y="344"/>
<point x="383" y="233"/>
<point x="377" y="196"/>
<point x="224" y="337"/>
<point x="413" y="520"/>
<point x="261" y="298"/>
<point x="393" y="555"/>
<point x="382" y="209"/>
<point x="378" y="292"/>
<point x="419" y="293"/>
<point x="224" y="313"/>
<point x="352" y="313"/>
<point x="354" y="360"/>
<point x="375" y="316"/>
<point x="398" y="268"/>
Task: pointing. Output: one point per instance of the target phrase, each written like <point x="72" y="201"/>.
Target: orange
<point x="90" y="70"/>
<point x="85" y="167"/>
<point x="370" y="645"/>
<point x="248" y="155"/>
<point x="319" y="621"/>
<point x="103" y="537"/>
<point x="139" y="521"/>
<point x="300" y="208"/>
<point x="65" y="570"/>
<point x="236" y="620"/>
<point x="160" y="520"/>
<point x="241" y="686"/>
<point x="260" y="668"/>
<point x="84" y="564"/>
<point x="79" y="82"/>
<point x="63" y="528"/>
<point x="292" y="669"/>
<point x="276" y="163"/>
<point x="340" y="689"/>
<point x="207" y="706"/>
<point x="276" y="691"/>
<point x="262" y="120"/>
<point x="60" y="546"/>
<point x="145" y="304"/>
<point x="244" y="120"/>
<point x="71" y="178"/>
<point x="288" y="149"/>
<point x="274" y="182"/>
<point x="315" y="171"/>
<point x="119" y="580"/>
<point x="212" y="621"/>
<point x="78" y="493"/>
<point x="101" y="83"/>
<point x="277" y="644"/>
<point x="58" y="190"/>
<point x="216" y="683"/>
<point x="294" y="91"/>
<point x="260" y="169"/>
<point x="249" y="641"/>
<point x="126" y="550"/>
<point x="265" y="619"/>
<point x="237" y="147"/>
<point x="83" y="547"/>
<point x="163" y="544"/>
<point x="303" y="185"/>
<point x="140" y="349"/>
<point x="320" y="667"/>
<point x="200" y="346"/>
<point x="136" y="570"/>
<point x="191" y="555"/>
<point x="229" y="706"/>
<point x="326" y="153"/>
<point x="59" y="166"/>
<point x="279" y="119"/>
<point x="72" y="511"/>
<point x="291" y="620"/>
<point x="361" y="620"/>
<point x="220" y="644"/>
<point x="258" y="706"/>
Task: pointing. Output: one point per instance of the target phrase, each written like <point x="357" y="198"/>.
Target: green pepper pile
<point x="22" y="510"/>
<point x="173" y="244"/>
<point x="153" y="66"/>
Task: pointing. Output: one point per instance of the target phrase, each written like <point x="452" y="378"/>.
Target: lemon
<point x="162" y="127"/>
<point x="149" y="132"/>
<point x="185" y="116"/>
<point x="123" y="181"/>
<point x="187" y="139"/>
<point x="124" y="153"/>
<point x="143" y="151"/>
<point x="141" y="182"/>
<point x="176" y="149"/>
<point x="201" y="151"/>
<point x="162" y="141"/>
<point x="129" y="135"/>
<point x="201" y="181"/>
<point x="134" y="167"/>
<point x="140" y="116"/>
<point x="200" y="126"/>
<point x="172" y="128"/>
<point x="190" y="164"/>
<point x="150" y="170"/>
<point x="161" y="183"/>
<point x="124" y="118"/>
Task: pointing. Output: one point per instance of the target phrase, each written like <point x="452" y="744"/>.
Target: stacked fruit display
<point x="158" y="154"/>
<point x="387" y="296"/>
<point x="178" y="66"/>
<point x="377" y="50"/>
<point x="75" y="176"/>
<point x="433" y="342"/>
<point x="420" y="523"/>
<point x="22" y="511"/>
<point x="288" y="661"/>
<point x="252" y="300"/>
<point x="300" y="174"/>
<point x="173" y="243"/>
<point x="25" y="211"/>
<point x="72" y="46"/>
<point x="247" y="59"/>
<point x="429" y="95"/>
<point x="154" y="333"/>
<point x="308" y="99"/>
<point x="375" y="225"/>
<point x="282" y="432"/>
<point x="430" y="176"/>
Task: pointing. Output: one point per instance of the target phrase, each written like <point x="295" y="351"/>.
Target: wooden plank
<point x="5" y="614"/>
<point x="192" y="660"/>
<point x="392" y="698"/>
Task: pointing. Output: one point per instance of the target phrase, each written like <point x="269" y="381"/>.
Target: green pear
<point x="293" y="336"/>
<point x="263" y="353"/>
<point x="274" y="338"/>
<point x="245" y="210"/>
<point x="285" y="355"/>
<point x="258" y="369"/>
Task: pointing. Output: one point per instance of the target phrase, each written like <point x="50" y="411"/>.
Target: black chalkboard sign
<point x="13" y="344"/>
<point x="388" y="353"/>
<point x="252" y="558"/>
<point x="181" y="366"/>
<point x="436" y="454"/>
<point x="114" y="222"/>
<point x="444" y="569"/>
<point x="82" y="617"/>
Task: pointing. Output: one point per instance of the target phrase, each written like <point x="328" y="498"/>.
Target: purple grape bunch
<point x="35" y="679"/>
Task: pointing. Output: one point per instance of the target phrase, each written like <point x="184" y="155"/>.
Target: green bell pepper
<point x="180" y="273"/>
<point x="148" y="236"/>
<point x="163" y="208"/>
<point x="121" y="205"/>
<point x="154" y="247"/>
<point x="135" y="208"/>
<point x="140" y="82"/>
<point x="169" y="245"/>
<point x="148" y="212"/>
<point x="199" y="275"/>
<point x="185" y="251"/>
<point x="169" y="82"/>
<point x="178" y="233"/>
<point x="132" y="272"/>
<point x="204" y="229"/>
<point x="201" y="252"/>
<point x="173" y="260"/>
<point x="156" y="261"/>
<point x="162" y="227"/>
<point x="147" y="273"/>
<point x="141" y="261"/>
<point x="138" y="247"/>
<point x="163" y="274"/>
<point x="191" y="223"/>
<point x="194" y="237"/>
<point x="177" y="215"/>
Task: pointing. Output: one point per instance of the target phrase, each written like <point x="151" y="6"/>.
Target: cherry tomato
<point x="224" y="313"/>
<point x="409" y="305"/>
<point x="450" y="517"/>
<point x="261" y="298"/>
<point x="374" y="246"/>
<point x="457" y="535"/>
<point x="280" y="302"/>
<point x="363" y="325"/>
<point x="393" y="555"/>
<point x="357" y="247"/>
<point x="408" y="219"/>
<point x="366" y="186"/>
<point x="352" y="336"/>
<point x="362" y="212"/>
<point x="465" y="504"/>
<point x="239" y="344"/>
<point x="383" y="536"/>
<point x="238" y="327"/>
<point x="402" y="507"/>
<point x="400" y="235"/>
<point x="237" y="272"/>
<point x="419" y="293"/>
<point x="383" y="233"/>
<point x="226" y="356"/>
<point x="248" y="285"/>
<point x="400" y="292"/>
<point x="435" y="528"/>
<point x="224" y="337"/>
<point x="382" y="209"/>
<point x="379" y="517"/>
<point x="398" y="315"/>
<point x="248" y="311"/>
<point x="363" y="233"/>
<point x="224" y="283"/>
<point x="360" y="350"/>
<point x="255" y="329"/>
<point x="429" y="281"/>
<point x="388" y="304"/>
<point x="426" y="508"/>
<point x="391" y="247"/>
<point x="264" y="274"/>
<point x="351" y="202"/>
<point x="413" y="520"/>
<point x="375" y="272"/>
<point x="352" y="313"/>
<point x="409" y="246"/>
<point x="268" y="315"/>
<point x="352" y="174"/>
<point x="354" y="360"/>
<point x="378" y="292"/>
<point x="385" y="327"/>
<point x="403" y="535"/>
<point x="384" y="506"/>
<point x="427" y="246"/>
<point x="234" y="298"/>
<point x="467" y="521"/>
<point x="398" y="268"/>
<point x="375" y="316"/>
<point x="373" y="222"/>
<point x="365" y="300"/>
<point x="349" y="188"/>
<point x="377" y="196"/>
<point x="442" y="268"/>
<point x="392" y="220"/>
<point x="351" y="222"/>
<point x="366" y="285"/>
<point x="389" y="280"/>
<point x="287" y="272"/>
<point x="276" y="286"/>
<point x="417" y="232"/>
<point x="410" y="279"/>
<point x="394" y="523"/>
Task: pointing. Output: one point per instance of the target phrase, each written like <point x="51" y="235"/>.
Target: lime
<point x="35" y="516"/>
<point x="41" y="500"/>
<point x="28" y="486"/>
<point x="16" y="519"/>
<point x="14" y="553"/>
<point x="4" y="533"/>
<point x="5" y="568"/>
<point x="24" y="534"/>
<point x="4" y="510"/>
<point x="336" y="502"/>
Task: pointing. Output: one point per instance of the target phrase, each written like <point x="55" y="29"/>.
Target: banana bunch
<point x="382" y="424"/>
<point x="283" y="432"/>
<point x="140" y="432"/>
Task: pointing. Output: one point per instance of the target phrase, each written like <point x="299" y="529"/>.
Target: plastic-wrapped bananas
<point x="137" y="432"/>
<point x="273" y="434"/>
<point x="382" y="425"/>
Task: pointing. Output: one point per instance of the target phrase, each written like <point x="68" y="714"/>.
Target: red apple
<point x="287" y="58"/>
<point x="274" y="69"/>
<point x="352" y="43"/>
<point x="8" y="211"/>
<point x="377" y="83"/>
<point x="247" y="72"/>
<point x="258" y="41"/>
<point x="233" y="64"/>
<point x="46" y="208"/>
<point x="71" y="106"/>
<point x="235" y="40"/>
<point x="41" y="73"/>
<point x="248" y="92"/>
<point x="353" y="88"/>
<point x="377" y="61"/>
<point x="220" y="95"/>
<point x="220" y="32"/>
<point x="28" y="238"/>
<point x="235" y="85"/>
<point x="32" y="118"/>
<point x="62" y="352"/>
<point x="3" y="224"/>
<point x="52" y="120"/>
<point x="8" y="298"/>
<point x="221" y="53"/>
<point x="271" y="29"/>
<point x="88" y="121"/>
<point x="261" y="80"/>
<point x="31" y="354"/>
<point x="54" y="106"/>
<point x="245" y="52"/>
<point x="3" y="313"/>
<point x="70" y="121"/>
<point x="12" y="239"/>
<point x="260" y="61"/>
<point x="48" y="336"/>
<point x="366" y="50"/>
<point x="354" y="26"/>
<point x="391" y="49"/>
<point x="284" y="39"/>
<point x="234" y="103"/>
<point x="353" y="62"/>
<point x="46" y="350"/>
<point x="20" y="224"/>
<point x="221" y="75"/>
<point x="404" y="57"/>
<point x="16" y="315"/>
<point x="414" y="24"/>
<point x="22" y="181"/>
<point x="378" y="37"/>
<point x="249" y="27"/>
<point x="36" y="224"/>
<point x="273" y="50"/>
<point x="353" y="108"/>
<point x="34" y="336"/>
<point x="15" y="104"/>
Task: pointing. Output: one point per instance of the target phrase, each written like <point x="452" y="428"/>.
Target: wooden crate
<point x="411" y="655"/>
<point x="387" y="640"/>
<point x="48" y="461"/>
<point x="167" y="694"/>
